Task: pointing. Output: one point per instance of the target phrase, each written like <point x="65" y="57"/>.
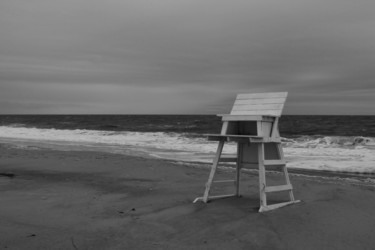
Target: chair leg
<point x="291" y="196"/>
<point x="262" y="176"/>
<point x="238" y="169"/>
<point x="213" y="171"/>
<point x="285" y="171"/>
<point x="262" y="182"/>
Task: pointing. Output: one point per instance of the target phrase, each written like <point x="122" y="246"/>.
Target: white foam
<point x="352" y="160"/>
<point x="140" y="140"/>
<point x="342" y="154"/>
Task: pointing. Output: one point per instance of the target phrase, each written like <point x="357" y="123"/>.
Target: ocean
<point x="335" y="144"/>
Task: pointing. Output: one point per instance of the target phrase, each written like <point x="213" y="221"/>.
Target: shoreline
<point x="129" y="151"/>
<point x="96" y="200"/>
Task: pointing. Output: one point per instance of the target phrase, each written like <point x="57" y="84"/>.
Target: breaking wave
<point x="352" y="154"/>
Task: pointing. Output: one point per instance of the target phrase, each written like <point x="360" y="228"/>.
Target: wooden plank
<point x="259" y="128"/>
<point x="259" y="100"/>
<point x="276" y="113"/>
<point x="213" y="197"/>
<point x="221" y="196"/>
<point x="264" y="140"/>
<point x="224" y="128"/>
<point x="285" y="170"/>
<point x="274" y="162"/>
<point x="277" y="106"/>
<point x="278" y="188"/>
<point x="262" y="176"/>
<point x="213" y="171"/>
<point x="274" y="206"/>
<point x="229" y="117"/>
<point x="242" y="138"/>
<point x="275" y="130"/>
<point x="263" y="95"/>
<point x="238" y="168"/>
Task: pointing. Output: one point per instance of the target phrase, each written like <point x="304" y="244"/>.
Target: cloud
<point x="195" y="49"/>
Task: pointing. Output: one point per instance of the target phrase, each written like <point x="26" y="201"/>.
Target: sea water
<point x="338" y="144"/>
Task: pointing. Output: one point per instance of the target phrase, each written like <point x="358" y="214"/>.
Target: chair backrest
<point x="265" y="104"/>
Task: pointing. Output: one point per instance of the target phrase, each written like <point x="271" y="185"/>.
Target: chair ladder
<point x="205" y="198"/>
<point x="264" y="189"/>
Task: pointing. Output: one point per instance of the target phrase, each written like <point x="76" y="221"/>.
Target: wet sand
<point x="92" y="200"/>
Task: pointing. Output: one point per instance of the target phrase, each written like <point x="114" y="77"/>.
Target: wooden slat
<point x="264" y="140"/>
<point x="252" y="107"/>
<point x="257" y="112"/>
<point x="228" y="117"/>
<point x="242" y="138"/>
<point x="259" y="100"/>
<point x="274" y="106"/>
<point x="263" y="95"/>
<point x="274" y="162"/>
<point x="255" y="104"/>
<point x="278" y="188"/>
<point x="275" y="130"/>
<point x="285" y="170"/>
<point x="213" y="170"/>
<point x="238" y="168"/>
<point x="278" y="205"/>
<point x="213" y="197"/>
<point x="262" y="176"/>
<point x="224" y="129"/>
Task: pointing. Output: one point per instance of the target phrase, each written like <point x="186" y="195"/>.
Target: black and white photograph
<point x="185" y="124"/>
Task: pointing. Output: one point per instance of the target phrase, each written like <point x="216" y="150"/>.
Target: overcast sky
<point x="185" y="56"/>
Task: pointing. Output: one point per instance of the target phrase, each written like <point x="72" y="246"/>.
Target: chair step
<point x="224" y="181"/>
<point x="278" y="188"/>
<point x="277" y="205"/>
<point x="274" y="162"/>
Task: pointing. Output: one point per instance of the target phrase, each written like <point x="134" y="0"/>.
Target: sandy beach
<point x="92" y="200"/>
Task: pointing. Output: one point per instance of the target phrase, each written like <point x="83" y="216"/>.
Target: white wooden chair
<point x="253" y="125"/>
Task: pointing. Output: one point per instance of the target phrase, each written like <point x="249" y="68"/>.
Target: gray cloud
<point x="185" y="56"/>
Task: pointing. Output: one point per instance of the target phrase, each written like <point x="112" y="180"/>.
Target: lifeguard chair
<point x="253" y="125"/>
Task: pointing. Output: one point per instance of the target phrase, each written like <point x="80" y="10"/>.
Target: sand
<point x="91" y="200"/>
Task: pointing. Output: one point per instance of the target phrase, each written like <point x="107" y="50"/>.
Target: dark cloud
<point x="185" y="56"/>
